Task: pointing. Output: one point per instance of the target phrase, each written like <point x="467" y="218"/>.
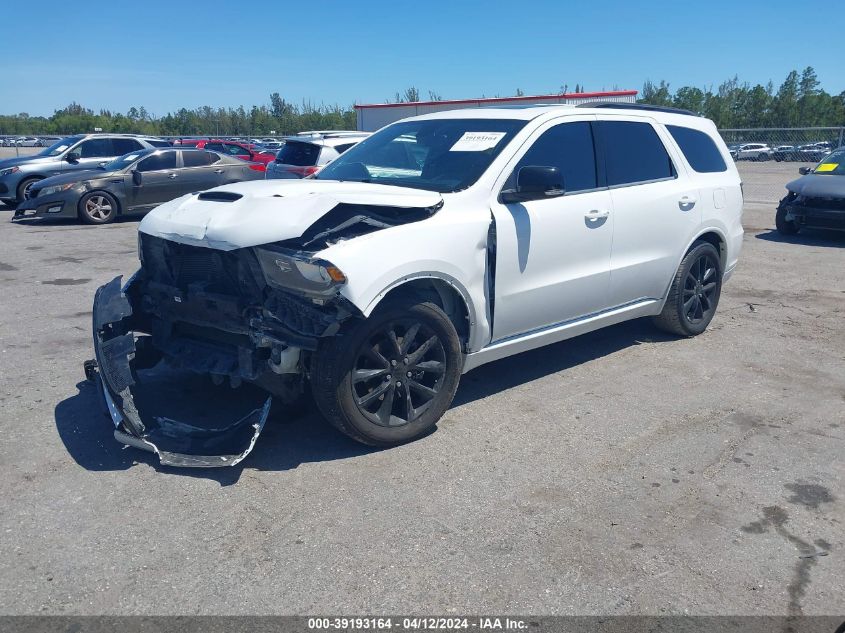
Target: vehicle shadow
<point x="807" y="237"/>
<point x="290" y="440"/>
<point x="532" y="365"/>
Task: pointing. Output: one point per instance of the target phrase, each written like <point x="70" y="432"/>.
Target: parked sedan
<point x="133" y="183"/>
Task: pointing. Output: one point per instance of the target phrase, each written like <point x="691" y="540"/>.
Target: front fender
<point x="438" y="248"/>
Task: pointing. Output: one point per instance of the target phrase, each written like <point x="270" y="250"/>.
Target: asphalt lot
<point x="621" y="472"/>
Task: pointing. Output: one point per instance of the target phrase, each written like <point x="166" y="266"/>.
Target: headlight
<point x="288" y="270"/>
<point x="46" y="191"/>
<point x="9" y="170"/>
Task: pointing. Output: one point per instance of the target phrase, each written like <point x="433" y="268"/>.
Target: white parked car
<point x="307" y="153"/>
<point x="752" y="151"/>
<point x="436" y="245"/>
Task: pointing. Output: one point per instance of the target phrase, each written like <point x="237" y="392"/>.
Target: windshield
<point x="443" y="155"/>
<point x="59" y="146"/>
<point x="833" y="163"/>
<point x="124" y="161"/>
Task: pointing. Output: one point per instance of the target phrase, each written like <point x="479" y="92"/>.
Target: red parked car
<point x="232" y="148"/>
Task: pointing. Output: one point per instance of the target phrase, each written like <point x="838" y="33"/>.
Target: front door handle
<point x="597" y="214"/>
<point x="218" y="171"/>
<point x="172" y="176"/>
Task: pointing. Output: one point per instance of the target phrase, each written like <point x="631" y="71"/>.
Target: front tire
<point x="388" y="379"/>
<point x="694" y="293"/>
<point x="97" y="207"/>
<point x="23" y="188"/>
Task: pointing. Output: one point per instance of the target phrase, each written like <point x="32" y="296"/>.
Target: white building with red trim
<point x="373" y="116"/>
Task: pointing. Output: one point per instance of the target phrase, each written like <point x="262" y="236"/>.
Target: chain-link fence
<point x="768" y="158"/>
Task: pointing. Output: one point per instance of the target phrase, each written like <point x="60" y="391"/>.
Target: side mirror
<point x="805" y="170"/>
<point x="137" y="178"/>
<point x="534" y="182"/>
<point x="72" y="157"/>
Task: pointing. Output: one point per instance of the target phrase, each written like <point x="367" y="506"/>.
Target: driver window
<point x="570" y="148"/>
<point x="158" y="162"/>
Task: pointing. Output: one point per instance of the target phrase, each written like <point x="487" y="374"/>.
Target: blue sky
<point x="165" y="55"/>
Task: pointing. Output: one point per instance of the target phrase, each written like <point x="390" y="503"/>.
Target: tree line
<point x="798" y="102"/>
<point x="278" y="115"/>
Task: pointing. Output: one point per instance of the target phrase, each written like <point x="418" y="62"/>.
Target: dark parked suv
<point x="83" y="151"/>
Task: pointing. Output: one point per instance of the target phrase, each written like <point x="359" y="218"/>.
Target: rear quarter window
<point x="700" y="150"/>
<point x="299" y="154"/>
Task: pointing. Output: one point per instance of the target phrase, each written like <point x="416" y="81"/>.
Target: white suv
<point x="308" y="152"/>
<point x="440" y="243"/>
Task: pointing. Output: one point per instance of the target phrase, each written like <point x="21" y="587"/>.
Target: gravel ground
<point x="622" y="472"/>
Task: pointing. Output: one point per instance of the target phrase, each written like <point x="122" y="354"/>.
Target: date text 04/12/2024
<point x="417" y="623"/>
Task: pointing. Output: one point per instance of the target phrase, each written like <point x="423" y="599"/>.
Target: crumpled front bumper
<point x="176" y="443"/>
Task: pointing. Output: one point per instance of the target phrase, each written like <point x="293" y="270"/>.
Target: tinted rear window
<point x="700" y="150"/>
<point x="125" y="145"/>
<point x="634" y="153"/>
<point x="298" y="153"/>
<point x="198" y="158"/>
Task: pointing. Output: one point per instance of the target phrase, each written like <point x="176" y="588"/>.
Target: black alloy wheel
<point x="398" y="372"/>
<point x="387" y="379"/>
<point x="700" y="289"/>
<point x="694" y="292"/>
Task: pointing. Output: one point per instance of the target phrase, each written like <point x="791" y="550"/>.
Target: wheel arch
<point x="443" y="291"/>
<point x="715" y="237"/>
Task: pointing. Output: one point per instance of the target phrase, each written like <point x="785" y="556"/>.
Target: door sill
<point x="559" y="332"/>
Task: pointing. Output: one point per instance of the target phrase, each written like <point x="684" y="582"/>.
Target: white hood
<point x="269" y="210"/>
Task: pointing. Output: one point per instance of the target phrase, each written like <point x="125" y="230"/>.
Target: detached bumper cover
<point x="176" y="443"/>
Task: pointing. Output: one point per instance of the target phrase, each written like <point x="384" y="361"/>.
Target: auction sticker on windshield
<point x="827" y="167"/>
<point x="477" y="141"/>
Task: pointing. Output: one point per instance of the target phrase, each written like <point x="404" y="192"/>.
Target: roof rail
<point x="636" y="106"/>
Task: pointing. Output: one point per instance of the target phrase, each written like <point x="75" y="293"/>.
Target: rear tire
<point x="694" y="293"/>
<point x="388" y="379"/>
<point x="97" y="207"/>
<point x="784" y="226"/>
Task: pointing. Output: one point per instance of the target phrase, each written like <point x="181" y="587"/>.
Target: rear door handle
<point x="172" y="176"/>
<point x="597" y="214"/>
<point x="218" y="171"/>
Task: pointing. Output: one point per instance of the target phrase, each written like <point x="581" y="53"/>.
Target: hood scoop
<point x="220" y="196"/>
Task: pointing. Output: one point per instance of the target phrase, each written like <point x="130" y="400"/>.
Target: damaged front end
<point x="221" y="314"/>
<point x="241" y="312"/>
<point x="176" y="443"/>
<point x="818" y="212"/>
